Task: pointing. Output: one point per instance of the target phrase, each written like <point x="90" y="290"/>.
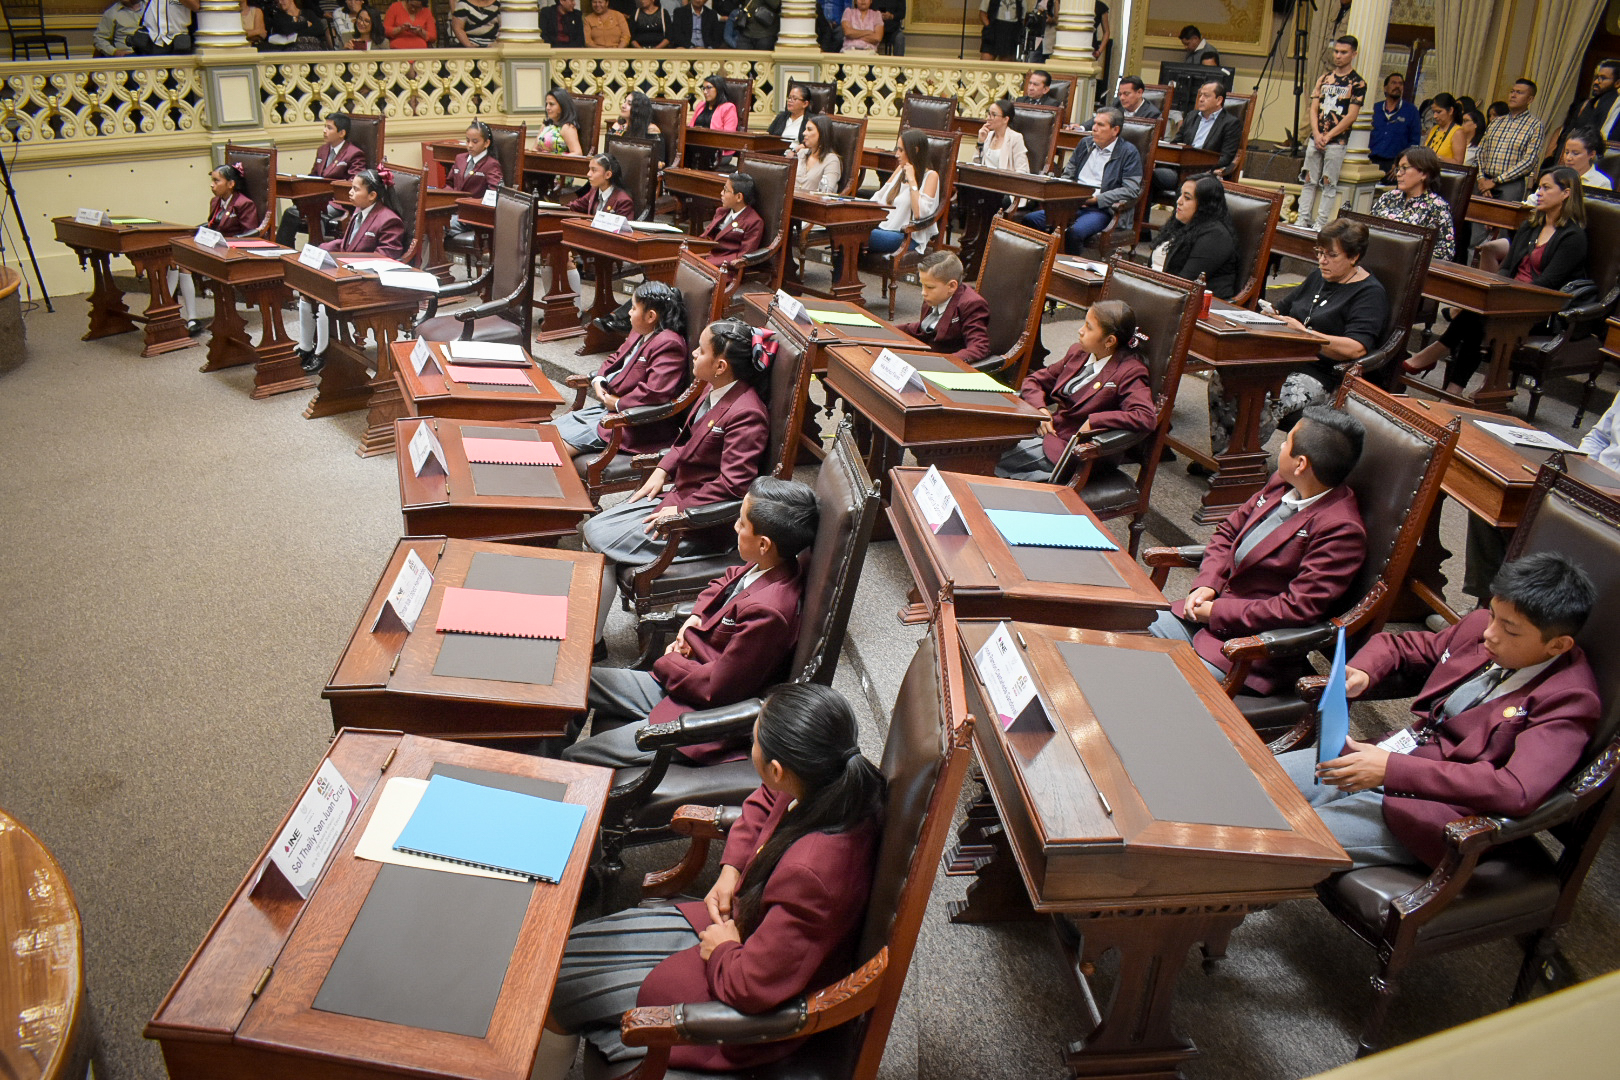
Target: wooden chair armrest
<point x="1161" y="560"/>
<point x="703" y="824"/>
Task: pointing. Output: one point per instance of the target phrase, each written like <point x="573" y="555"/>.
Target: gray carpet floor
<point x="185" y="565"/>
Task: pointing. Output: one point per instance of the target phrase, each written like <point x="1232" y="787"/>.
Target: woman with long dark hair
<point x="911" y="193"/>
<point x="716" y="109"/>
<point x="784" y="916"/>
<point x="559" y="134"/>
<point x="1200" y="238"/>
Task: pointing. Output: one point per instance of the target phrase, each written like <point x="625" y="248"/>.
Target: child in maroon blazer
<point x="650" y="368"/>
<point x="604" y="190"/>
<point x="476" y="169"/>
<point x="736" y="227"/>
<point x="783" y="919"/>
<point x="336" y="159"/>
<point x="737" y="641"/>
<point x="955" y="318"/>
<point x="375" y="227"/>
<point x="231" y="214"/>
<point x="1282" y="559"/>
<point x="1505" y="714"/>
<point x="1101" y="385"/>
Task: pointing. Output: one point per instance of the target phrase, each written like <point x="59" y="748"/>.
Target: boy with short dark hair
<point x="955" y="318"/>
<point x="738" y="640"/>
<point x="1506" y="712"/>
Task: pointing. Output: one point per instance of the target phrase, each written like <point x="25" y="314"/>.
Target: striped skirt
<point x="604" y="965"/>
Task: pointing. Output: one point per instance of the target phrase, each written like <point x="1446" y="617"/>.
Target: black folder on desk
<point x="523" y="481"/>
<point x="1066" y="566"/>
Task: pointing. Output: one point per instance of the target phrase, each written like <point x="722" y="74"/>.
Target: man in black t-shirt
<point x="1335" y="103"/>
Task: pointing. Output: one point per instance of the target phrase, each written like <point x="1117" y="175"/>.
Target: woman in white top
<point x="819" y="168"/>
<point x="911" y="193"/>
<point x="789" y="123"/>
<point x="1000" y="147"/>
<point x="1582" y="150"/>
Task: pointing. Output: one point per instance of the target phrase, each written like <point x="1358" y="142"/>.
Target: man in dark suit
<point x="1132" y="99"/>
<point x="1282" y="559"/>
<point x="696" y="26"/>
<point x="336" y="159"/>
<point x="1598" y="111"/>
<point x="955" y="318"/>
<point x="1209" y="127"/>
<point x="1038" y="91"/>
<point x="1506" y="712"/>
<point x="562" y="26"/>
<point x="1113" y="167"/>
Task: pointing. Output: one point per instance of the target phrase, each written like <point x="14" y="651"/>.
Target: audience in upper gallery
<point x="820" y="170"/>
<point x="606" y="28"/>
<point x="911" y="193"/>
<point x="894" y="26"/>
<point x="294" y="26"/>
<point x="1395" y="124"/>
<point x="409" y="24"/>
<point x="559" y="133"/>
<point x="694" y="25"/>
<point x="474" y="24"/>
<point x="561" y="25"/>
<point x="1414" y="200"/>
<point x="1132" y="99"/>
<point x="649" y="26"/>
<point x="340" y="26"/>
<point x="1511" y="147"/>
<point x="1003" y="23"/>
<point x="1038" y="90"/>
<point x="1110" y="166"/>
<point x="1582" y="151"/>
<point x="1200" y="238"/>
<point x="790" y="123"/>
<point x="1199" y="51"/>
<point x="165" y="28"/>
<point x="955" y="319"/>
<point x="252" y="13"/>
<point x="120" y="22"/>
<point x="863" y="27"/>
<point x="757" y="23"/>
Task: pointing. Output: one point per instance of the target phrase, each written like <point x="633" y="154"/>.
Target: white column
<point x="520" y="21"/>
<point x="1368" y="23"/>
<point x="1076" y="31"/>
<point x="798" y="29"/>
<point x="219" y="25"/>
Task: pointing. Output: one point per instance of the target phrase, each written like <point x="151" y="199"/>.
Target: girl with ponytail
<point x="231" y="214"/>
<point x="651" y="368"/>
<point x="784" y="917"/>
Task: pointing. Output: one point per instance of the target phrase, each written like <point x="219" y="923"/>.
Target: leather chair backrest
<point x="703" y="290"/>
<point x="1456" y="186"/>
<point x="742" y="95"/>
<point x="408" y="203"/>
<point x="1017" y="262"/>
<point x="1161" y="303"/>
<point x="638" y="158"/>
<point x="943" y="148"/>
<point x="1242" y="107"/>
<point x="670" y="116"/>
<point x="506" y="143"/>
<point x="928" y="113"/>
<point x="1254" y="218"/>
<point x="786" y="393"/>
<point x="1610" y="165"/>
<point x="1603" y="246"/>
<point x="848" y="501"/>
<point x="1144" y="135"/>
<point x="258" y="165"/>
<point x="588" y="108"/>
<point x="1160" y="95"/>
<point x="1398" y="256"/>
<point x="1039" y="125"/>
<point x="366" y="132"/>
<point x="1061" y="89"/>
<point x="512" y="260"/>
<point x="773" y="180"/>
<point x="848" y="136"/>
<point x="823" y="95"/>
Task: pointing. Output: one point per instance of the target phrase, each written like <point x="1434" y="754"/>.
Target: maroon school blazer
<point x="963" y="329"/>
<point x="658" y="374"/>
<point x="1119" y="398"/>
<point x="719" y="454"/>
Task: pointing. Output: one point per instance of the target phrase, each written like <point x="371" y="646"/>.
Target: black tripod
<point x="1302" y="41"/>
<point x="22" y="226"/>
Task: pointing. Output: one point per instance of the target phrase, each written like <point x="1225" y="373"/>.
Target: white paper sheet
<point x="394" y="808"/>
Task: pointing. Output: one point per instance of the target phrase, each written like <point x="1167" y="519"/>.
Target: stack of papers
<point x="134" y="221"/>
<point x="1085" y="264"/>
<point x="841" y="318"/>
<point x="653" y="226"/>
<point x="270" y="251"/>
<point x="502" y="614"/>
<point x="1025" y="529"/>
<point x="406" y="278"/>
<point x="511" y="452"/>
<point x="492" y="829"/>
<point x="493" y="375"/>
<point x="966" y="380"/>
<point x="373" y="263"/>
<point x="487" y="352"/>
<point x="1244" y="315"/>
<point x="1517" y="436"/>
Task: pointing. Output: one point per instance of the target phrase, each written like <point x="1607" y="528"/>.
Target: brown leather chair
<point x="1397" y="483"/>
<point x="848" y="137"/>
<point x="638" y="160"/>
<point x="1166" y="311"/>
<point x="1254" y="218"/>
<point x="1398" y="256"/>
<point x="1571" y="344"/>
<point x="1062" y="90"/>
<point x="926" y="112"/>
<point x="258" y="165"/>
<point x="1161" y="96"/>
<point x="1039" y="125"/>
<point x="773" y="179"/>
<point x="1242" y="107"/>
<point x="823" y="95"/>
<point x="366" y="132"/>
<point x="1497" y="881"/>
<point x="412" y="208"/>
<point x="1017" y="264"/>
<point x="508" y="316"/>
<point x="1144" y="135"/>
<point x="670" y="116"/>
<point x="644" y="800"/>
<point x="1456" y="186"/>
<point x="942" y="151"/>
<point x="588" y="108"/>
<point x="742" y="94"/>
<point x="925" y="758"/>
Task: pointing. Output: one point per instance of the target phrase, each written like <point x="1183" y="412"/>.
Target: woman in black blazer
<point x="1200" y="238"/>
<point x="790" y="122"/>
<point x="1548" y="250"/>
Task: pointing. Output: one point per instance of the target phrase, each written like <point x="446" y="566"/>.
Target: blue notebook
<point x="492" y="829"/>
<point x="1026" y="529"/>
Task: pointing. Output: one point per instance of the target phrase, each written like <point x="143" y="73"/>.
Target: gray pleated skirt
<point x="604" y="965"/>
<point x="618" y="533"/>
<point x="578" y="428"/>
<point x="1026" y="461"/>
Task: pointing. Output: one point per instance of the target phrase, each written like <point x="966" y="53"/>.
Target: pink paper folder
<point x="495" y="376"/>
<point x="503" y="614"/>
<point x="249" y="243"/>
<point x="511" y="452"/>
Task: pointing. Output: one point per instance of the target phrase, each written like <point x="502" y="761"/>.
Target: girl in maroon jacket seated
<point x="783" y="919"/>
<point x="736" y="227"/>
<point x="1101" y="385"/>
<point x="374" y="228"/>
<point x="604" y="190"/>
<point x="650" y="368"/>
<point x="231" y="214"/>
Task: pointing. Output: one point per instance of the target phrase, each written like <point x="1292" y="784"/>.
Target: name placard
<point x="408" y="593"/>
<point x="87" y="216"/>
<point x="791" y="306"/>
<point x="210" y="238"/>
<point x="609" y="222"/>
<point x="489" y="196"/>
<point x="300" y="852"/>
<point x="427" y="453"/>
<point x="422" y="356"/>
<point x="1001" y="667"/>
<point x="316" y="257"/>
<point x="938" y="505"/>
<point x="895" y="373"/>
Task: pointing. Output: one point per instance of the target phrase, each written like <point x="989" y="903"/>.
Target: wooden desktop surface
<point x="433" y="393"/>
<point x="243" y="1005"/>
<point x="928" y="422"/>
<point x="147" y="247"/>
<point x="982" y="191"/>
<point x="823" y="335"/>
<point x="42" y="991"/>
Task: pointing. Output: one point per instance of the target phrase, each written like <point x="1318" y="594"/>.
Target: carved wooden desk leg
<point x="345" y="380"/>
<point x="1245" y="466"/>
<point x="385" y="403"/>
<point x="228" y="342"/>
<point x="846" y="245"/>
<point x="165" y="331"/>
<point x="973" y="846"/>
<point x="997" y="893"/>
<point x="109" y="314"/>
<point x="560" y="306"/>
<point x="1504" y="335"/>
<point x="598" y="340"/>
<point x="277" y="370"/>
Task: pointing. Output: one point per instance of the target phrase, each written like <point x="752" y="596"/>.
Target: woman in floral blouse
<point x="1415" y="201"/>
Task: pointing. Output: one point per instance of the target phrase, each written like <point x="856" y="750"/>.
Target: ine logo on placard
<point x="292" y="841"/>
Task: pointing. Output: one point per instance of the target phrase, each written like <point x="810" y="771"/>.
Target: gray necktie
<point x="1270" y="524"/>
<point x="1474" y="691"/>
<point x="1073" y="387"/>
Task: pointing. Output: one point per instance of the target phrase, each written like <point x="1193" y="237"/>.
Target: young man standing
<point x="1511" y="148"/>
<point x="1335" y="104"/>
<point x="1396" y="124"/>
<point x="1199" y="51"/>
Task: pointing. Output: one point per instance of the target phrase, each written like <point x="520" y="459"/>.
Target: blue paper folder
<point x="1334" y="727"/>
<point x="492" y="829"/>
<point x="1028" y="529"/>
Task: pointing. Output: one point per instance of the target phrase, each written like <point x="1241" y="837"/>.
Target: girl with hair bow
<point x="231" y="214"/>
<point x="375" y="228"/>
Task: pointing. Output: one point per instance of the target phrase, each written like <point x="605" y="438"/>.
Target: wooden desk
<point x="482" y="502"/>
<point x="697" y="191"/>
<point x="848" y="223"/>
<point x="440" y="154"/>
<point x="1080" y="825"/>
<point x="46" y="1036"/>
<point x="712" y="142"/>
<point x="981" y="191"/>
<point x="1186" y="160"/>
<point x="1611" y="341"/>
<point x="309" y="194"/>
<point x="345" y="383"/>
<point x="386" y="677"/>
<point x="1497" y="213"/>
<point x="1099" y="590"/>
<point x="433" y="393"/>
<point x="656" y="254"/>
<point x="559" y="308"/>
<point x="544" y="167"/>
<point x="147" y="246"/>
<point x="821" y="336"/>
<point x="259" y="279"/>
<point x="244" y="1005"/>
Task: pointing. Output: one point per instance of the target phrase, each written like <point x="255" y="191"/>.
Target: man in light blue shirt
<point x="1602" y="443"/>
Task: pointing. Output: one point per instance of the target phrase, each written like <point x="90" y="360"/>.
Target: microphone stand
<point x="22" y="224"/>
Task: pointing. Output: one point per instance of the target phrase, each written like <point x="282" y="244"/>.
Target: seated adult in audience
<point x="165" y="28"/>
<point x="819" y="168"/>
<point x="649" y="27"/>
<point x="696" y="26"/>
<point x="1511" y="147"/>
<point x="606" y="28"/>
<point x="715" y="110"/>
<point x="1548" y="250"/>
<point x="559" y="133"/>
<point x="1003" y="23"/>
<point x="375" y="228"/>
<point x="1414" y="200"/>
<point x="294" y="26"/>
<point x="1395" y="125"/>
<point x="341" y="25"/>
<point x="1132" y="99"/>
<point x="337" y="159"/>
<point x="757" y="22"/>
<point x="1110" y="165"/>
<point x="894" y="25"/>
<point x="863" y="28"/>
<point x="955" y="319"/>
<point x="782" y="919"/>
<point x="1100" y="385"/>
<point x="367" y="32"/>
<point x="1200" y="238"/>
<point x="1508" y="707"/>
<point x="253" y="23"/>
<point x="1208" y="127"/>
<point x="650" y="368"/>
<point x="1602" y="442"/>
<point x="1038" y="90"/>
<point x="789" y="124"/>
<point x="1199" y="51"/>
<point x="911" y="193"/>
<point x="635" y="118"/>
<point x="1284" y="558"/>
<point x="409" y="24"/>
<point x="476" y="23"/>
<point x="1339" y="301"/>
<point x="561" y="25"/>
<point x="999" y="146"/>
<point x="118" y="24"/>
<point x="1582" y="151"/>
<point x="1446" y="137"/>
<point x="231" y="214"/>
